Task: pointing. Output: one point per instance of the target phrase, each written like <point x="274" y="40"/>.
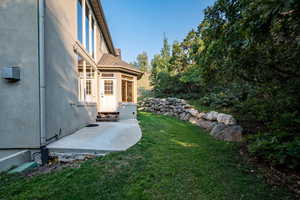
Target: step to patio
<point x="108" y="116"/>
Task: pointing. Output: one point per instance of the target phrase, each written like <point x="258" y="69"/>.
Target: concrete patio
<point x="104" y="138"/>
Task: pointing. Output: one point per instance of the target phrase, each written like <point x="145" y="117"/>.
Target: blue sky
<point x="139" y="25"/>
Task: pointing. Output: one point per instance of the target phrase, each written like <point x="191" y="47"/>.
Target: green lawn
<point x="174" y="160"/>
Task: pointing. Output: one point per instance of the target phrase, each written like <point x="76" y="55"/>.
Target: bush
<point x="277" y="148"/>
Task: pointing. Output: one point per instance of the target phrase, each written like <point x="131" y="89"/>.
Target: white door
<point x="108" y="98"/>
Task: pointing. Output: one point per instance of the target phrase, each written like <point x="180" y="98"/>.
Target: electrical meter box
<point x="11" y="73"/>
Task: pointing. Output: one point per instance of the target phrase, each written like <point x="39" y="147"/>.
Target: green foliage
<point x="144" y="93"/>
<point x="142" y="62"/>
<point x="278" y="148"/>
<point x="245" y="57"/>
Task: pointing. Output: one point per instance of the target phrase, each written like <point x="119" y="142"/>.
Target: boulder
<point x="233" y="133"/>
<point x="208" y="125"/>
<point x="212" y="116"/>
<point x="141" y="108"/>
<point x="193" y="112"/>
<point x="181" y="116"/>
<point x="218" y="130"/>
<point x="187" y="106"/>
<point x="221" y="126"/>
<point x="227" y="133"/>
<point x="193" y="120"/>
<point x="200" y="115"/>
<point x="226" y="119"/>
<point x="187" y="117"/>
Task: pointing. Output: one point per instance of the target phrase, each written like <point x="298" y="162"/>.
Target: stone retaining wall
<point x="221" y="126"/>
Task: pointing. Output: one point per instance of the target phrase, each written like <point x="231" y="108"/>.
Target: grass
<point x="174" y="160"/>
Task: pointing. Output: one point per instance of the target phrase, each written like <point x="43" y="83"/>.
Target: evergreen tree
<point x="142" y="62"/>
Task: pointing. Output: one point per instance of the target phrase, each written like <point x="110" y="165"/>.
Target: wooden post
<point x="84" y="80"/>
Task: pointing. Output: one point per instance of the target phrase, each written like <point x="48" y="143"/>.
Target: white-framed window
<point x="79" y="21"/>
<point x="86" y="27"/>
<point x="87" y="81"/>
<point x="108" y="87"/>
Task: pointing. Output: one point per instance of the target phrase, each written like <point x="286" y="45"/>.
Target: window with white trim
<point x="87" y="80"/>
<point x="108" y="87"/>
<point x="85" y="15"/>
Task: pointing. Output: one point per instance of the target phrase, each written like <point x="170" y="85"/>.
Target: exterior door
<point x="127" y="91"/>
<point x="108" y="98"/>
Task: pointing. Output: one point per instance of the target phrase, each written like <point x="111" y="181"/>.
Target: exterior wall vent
<point x="11" y="73"/>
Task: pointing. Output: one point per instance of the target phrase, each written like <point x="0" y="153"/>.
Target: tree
<point x="166" y="50"/>
<point x="142" y="62"/>
<point x="245" y="54"/>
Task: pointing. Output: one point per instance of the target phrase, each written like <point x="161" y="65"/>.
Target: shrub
<point x="277" y="148"/>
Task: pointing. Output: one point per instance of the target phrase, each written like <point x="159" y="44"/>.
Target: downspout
<point x="41" y="60"/>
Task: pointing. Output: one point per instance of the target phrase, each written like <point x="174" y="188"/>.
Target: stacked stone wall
<point x="219" y="125"/>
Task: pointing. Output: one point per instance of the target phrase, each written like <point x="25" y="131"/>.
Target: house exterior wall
<point x="101" y="47"/>
<point x="119" y="86"/>
<point x="19" y="101"/>
<point x="64" y="113"/>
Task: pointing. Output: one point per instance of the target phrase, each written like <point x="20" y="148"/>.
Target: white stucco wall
<point x="64" y="113"/>
<point x="19" y="102"/>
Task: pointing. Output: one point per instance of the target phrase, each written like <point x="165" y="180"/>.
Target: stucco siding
<point x="64" y="112"/>
<point x="101" y="45"/>
<point x="19" y="101"/>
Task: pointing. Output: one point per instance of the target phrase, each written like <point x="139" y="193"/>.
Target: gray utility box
<point x="11" y="73"/>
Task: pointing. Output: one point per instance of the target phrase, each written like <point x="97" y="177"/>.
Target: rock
<point x="141" y="108"/>
<point x="226" y="119"/>
<point x="227" y="133"/>
<point x="187" y="106"/>
<point x="221" y="126"/>
<point x="193" y="112"/>
<point x="218" y="130"/>
<point x="208" y="125"/>
<point x="181" y="116"/>
<point x="212" y="116"/>
<point x="233" y="133"/>
<point x="187" y="117"/>
<point x="200" y="115"/>
<point x="193" y="120"/>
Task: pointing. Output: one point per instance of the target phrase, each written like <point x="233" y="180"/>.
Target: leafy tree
<point x="143" y="62"/>
<point x="245" y="57"/>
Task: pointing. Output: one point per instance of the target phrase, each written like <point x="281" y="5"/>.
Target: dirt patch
<point x="56" y="165"/>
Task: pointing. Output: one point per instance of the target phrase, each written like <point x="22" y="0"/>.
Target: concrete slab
<point x="5" y="153"/>
<point x="107" y="137"/>
<point x="14" y="159"/>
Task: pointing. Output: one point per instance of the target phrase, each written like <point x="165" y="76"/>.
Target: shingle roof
<point x="109" y="60"/>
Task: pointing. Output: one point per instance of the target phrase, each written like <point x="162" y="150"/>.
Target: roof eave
<point x="101" y="20"/>
<point x="138" y="73"/>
